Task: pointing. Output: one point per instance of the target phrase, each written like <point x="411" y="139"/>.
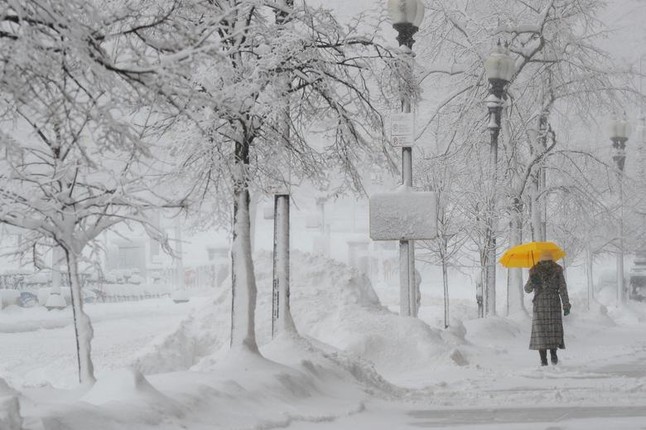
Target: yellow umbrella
<point x="528" y="254"/>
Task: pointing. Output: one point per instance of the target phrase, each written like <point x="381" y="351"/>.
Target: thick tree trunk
<point x="243" y="297"/>
<point x="82" y="324"/>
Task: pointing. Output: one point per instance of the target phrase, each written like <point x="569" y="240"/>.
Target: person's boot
<point x="543" y="354"/>
<point x="553" y="356"/>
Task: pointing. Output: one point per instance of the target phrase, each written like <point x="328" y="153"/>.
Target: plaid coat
<point x="548" y="284"/>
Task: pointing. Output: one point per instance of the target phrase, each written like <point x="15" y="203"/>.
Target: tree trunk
<point x="179" y="262"/>
<point x="543" y="205"/>
<point x="82" y="324"/>
<point x="243" y="297"/>
<point x="536" y="209"/>
<point x="515" y="302"/>
<point x="589" y="261"/>
<point x="445" y="281"/>
<point x="253" y="213"/>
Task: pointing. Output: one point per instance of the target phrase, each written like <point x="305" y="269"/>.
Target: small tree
<point x="73" y="156"/>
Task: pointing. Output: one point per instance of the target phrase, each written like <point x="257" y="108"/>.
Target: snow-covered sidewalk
<point x="599" y="384"/>
<point x="359" y="366"/>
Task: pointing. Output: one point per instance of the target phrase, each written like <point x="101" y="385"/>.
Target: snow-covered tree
<point x="247" y="69"/>
<point x="73" y="159"/>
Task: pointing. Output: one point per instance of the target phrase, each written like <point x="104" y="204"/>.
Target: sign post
<point x="406" y="216"/>
<point x="402" y="129"/>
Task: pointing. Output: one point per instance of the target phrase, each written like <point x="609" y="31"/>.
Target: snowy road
<point x="38" y="346"/>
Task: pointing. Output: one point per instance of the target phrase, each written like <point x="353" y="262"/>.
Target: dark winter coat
<point x="547" y="282"/>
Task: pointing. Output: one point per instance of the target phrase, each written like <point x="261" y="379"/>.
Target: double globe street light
<point x="406" y="16"/>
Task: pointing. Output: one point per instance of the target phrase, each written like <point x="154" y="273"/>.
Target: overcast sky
<point x="627" y="19"/>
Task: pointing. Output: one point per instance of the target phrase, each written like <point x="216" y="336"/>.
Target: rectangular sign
<point x="404" y="215"/>
<point x="402" y="129"/>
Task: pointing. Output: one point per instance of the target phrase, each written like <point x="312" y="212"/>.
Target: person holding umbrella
<point x="547" y="282"/>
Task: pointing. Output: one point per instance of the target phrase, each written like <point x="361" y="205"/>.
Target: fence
<point x="113" y="288"/>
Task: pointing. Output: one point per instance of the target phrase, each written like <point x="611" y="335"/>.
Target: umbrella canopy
<point x="528" y="254"/>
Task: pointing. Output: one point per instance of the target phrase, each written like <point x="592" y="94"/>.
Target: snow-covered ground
<point x="358" y="365"/>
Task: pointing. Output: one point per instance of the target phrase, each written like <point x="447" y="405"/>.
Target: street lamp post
<point x="406" y="16"/>
<point x="499" y="67"/>
<point x="619" y="133"/>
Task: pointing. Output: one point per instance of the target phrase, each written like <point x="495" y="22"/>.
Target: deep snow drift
<point x="330" y="302"/>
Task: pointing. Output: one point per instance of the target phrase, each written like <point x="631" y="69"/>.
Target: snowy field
<point x="358" y="366"/>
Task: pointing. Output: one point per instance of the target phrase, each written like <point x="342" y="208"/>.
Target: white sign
<point x="407" y="215"/>
<point x="402" y="129"/>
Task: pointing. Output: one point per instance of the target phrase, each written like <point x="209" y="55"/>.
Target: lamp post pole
<point x="620" y="129"/>
<point x="499" y="67"/>
<point x="494" y="105"/>
<point x="406" y="16"/>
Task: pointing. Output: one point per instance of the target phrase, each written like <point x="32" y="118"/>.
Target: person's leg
<point x="543" y="354"/>
<point x="553" y="356"/>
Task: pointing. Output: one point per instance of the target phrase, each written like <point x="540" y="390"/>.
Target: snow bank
<point x="201" y="335"/>
<point x="247" y="391"/>
<point x="331" y="302"/>
<point x="629" y="313"/>
<point x="8" y="298"/>
<point x="326" y="362"/>
<point x="127" y="388"/>
<point x="336" y="304"/>
<point x="10" y="418"/>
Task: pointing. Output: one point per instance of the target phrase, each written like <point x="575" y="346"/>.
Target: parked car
<point x="27" y="300"/>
